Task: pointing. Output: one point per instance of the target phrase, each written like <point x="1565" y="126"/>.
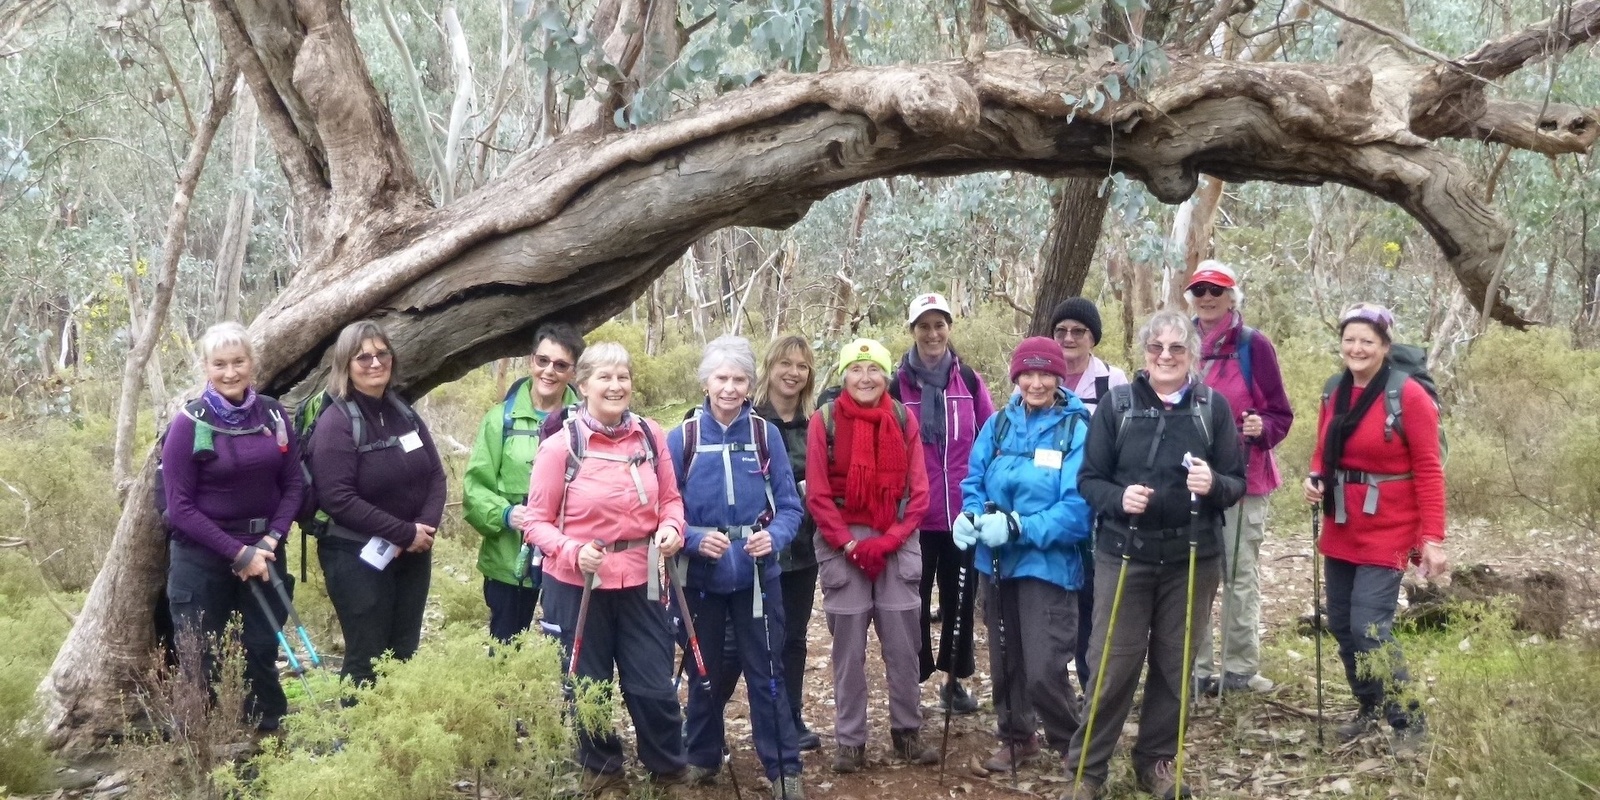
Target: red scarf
<point x="877" y="467"/>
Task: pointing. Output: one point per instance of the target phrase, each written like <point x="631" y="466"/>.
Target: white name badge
<point x="1047" y="459"/>
<point x="411" y="441"/>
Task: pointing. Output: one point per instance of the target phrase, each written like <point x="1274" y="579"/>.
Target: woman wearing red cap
<point x="1021" y="502"/>
<point x="951" y="403"/>
<point x="1239" y="363"/>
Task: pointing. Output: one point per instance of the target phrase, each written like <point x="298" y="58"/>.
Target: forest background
<point x="101" y="107"/>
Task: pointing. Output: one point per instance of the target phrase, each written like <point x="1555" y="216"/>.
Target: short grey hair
<point x="604" y="354"/>
<point x="1169" y="322"/>
<point x="225" y="334"/>
<point x="733" y="350"/>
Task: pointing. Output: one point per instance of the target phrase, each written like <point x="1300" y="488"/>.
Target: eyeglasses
<point x="1207" y="289"/>
<point x="1071" y="333"/>
<point x="1175" y="350"/>
<point x="374" y="360"/>
<point x="545" y="362"/>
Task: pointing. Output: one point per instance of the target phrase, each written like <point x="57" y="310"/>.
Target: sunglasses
<point x="1071" y="333"/>
<point x="1207" y="289"/>
<point x="374" y="360"/>
<point x="1175" y="350"/>
<point x="546" y="362"/>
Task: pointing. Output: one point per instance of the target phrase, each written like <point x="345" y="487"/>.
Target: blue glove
<point x="994" y="529"/>
<point x="965" y="532"/>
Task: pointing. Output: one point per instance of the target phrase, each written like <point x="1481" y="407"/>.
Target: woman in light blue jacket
<point x="1023" y="512"/>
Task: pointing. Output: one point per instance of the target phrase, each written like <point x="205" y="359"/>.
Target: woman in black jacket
<point x="384" y="496"/>
<point x="1161" y="466"/>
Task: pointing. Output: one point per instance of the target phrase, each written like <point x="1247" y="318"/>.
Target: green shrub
<point x="57" y="487"/>
<point x="32" y="628"/>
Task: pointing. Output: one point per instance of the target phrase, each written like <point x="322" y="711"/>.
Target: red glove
<point x="872" y="554"/>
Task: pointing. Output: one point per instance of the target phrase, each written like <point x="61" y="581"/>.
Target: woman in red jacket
<point x="867" y="492"/>
<point x="1387" y="503"/>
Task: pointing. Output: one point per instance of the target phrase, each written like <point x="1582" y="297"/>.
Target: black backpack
<point x="311" y="519"/>
<point x="1406" y="361"/>
<point x="204" y="438"/>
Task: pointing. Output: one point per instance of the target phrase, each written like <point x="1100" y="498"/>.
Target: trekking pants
<point x="891" y="604"/>
<point x="379" y="610"/>
<point x="941" y="562"/>
<point x="630" y="637"/>
<point x="204" y="594"/>
<point x="1150" y="627"/>
<point x="1030" y="681"/>
<point x="1361" y="606"/>
<point x="1240" y="615"/>
<point x="771" y="720"/>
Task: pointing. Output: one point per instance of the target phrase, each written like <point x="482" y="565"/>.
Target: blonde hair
<point x="603" y="354"/>
<point x="225" y="334"/>
<point x="345" y="350"/>
<point x="778" y="350"/>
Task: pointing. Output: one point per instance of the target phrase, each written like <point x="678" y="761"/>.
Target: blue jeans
<point x="771" y="719"/>
<point x="1361" y="606"/>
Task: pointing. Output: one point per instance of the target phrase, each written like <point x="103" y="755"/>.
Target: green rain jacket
<point x="497" y="479"/>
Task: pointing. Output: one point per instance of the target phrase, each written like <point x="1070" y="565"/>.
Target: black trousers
<point x="629" y="636"/>
<point x="941" y="561"/>
<point x="510" y="608"/>
<point x="204" y="594"/>
<point x="379" y="610"/>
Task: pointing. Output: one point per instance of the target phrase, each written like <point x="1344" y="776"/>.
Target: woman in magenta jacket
<point x="951" y="403"/>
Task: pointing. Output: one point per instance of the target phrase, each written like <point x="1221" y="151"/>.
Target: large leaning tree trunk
<point x="579" y="229"/>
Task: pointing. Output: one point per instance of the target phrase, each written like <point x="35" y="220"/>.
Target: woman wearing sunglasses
<point x="495" y="486"/>
<point x="1382" y="477"/>
<point x="1161" y="466"/>
<point x="384" y="496"/>
<point x="1239" y="363"/>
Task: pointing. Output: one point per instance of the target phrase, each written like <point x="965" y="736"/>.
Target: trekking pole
<point x="589" y="580"/>
<point x="950" y="679"/>
<point x="1316" y="608"/>
<point x="294" y="616"/>
<point x="295" y="665"/>
<point x="1188" y="633"/>
<point x="772" y="684"/>
<point x="1233" y="579"/>
<point x="694" y="639"/>
<point x="1000" y="628"/>
<point x="1105" y="652"/>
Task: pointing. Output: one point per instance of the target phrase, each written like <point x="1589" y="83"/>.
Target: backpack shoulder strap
<point x="1122" y="403"/>
<point x="650" y="452"/>
<point x="1201" y="408"/>
<point x="826" y="410"/>
<point x="506" y="408"/>
<point x="901" y="415"/>
<point x="758" y="437"/>
<point x="691" y="440"/>
<point x="576" y="446"/>
<point x="1392" y="390"/>
<point x="1102" y="387"/>
<point x="970" y="378"/>
<point x="1002" y="427"/>
<point x="894" y="386"/>
<point x="1242" y="349"/>
<point x="358" y="423"/>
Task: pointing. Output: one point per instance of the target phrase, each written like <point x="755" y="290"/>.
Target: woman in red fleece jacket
<point x="867" y="493"/>
<point x="1387" y="502"/>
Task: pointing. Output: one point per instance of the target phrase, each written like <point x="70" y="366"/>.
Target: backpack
<point x="1407" y="361"/>
<point x="311" y="519"/>
<point x="1002" y="427"/>
<point x="204" y="439"/>
<point x="968" y="377"/>
<point x="902" y="416"/>
<point x="578" y="450"/>
<point x="1122" y="400"/>
<point x="1242" y="352"/>
<point x="506" y="420"/>
<point x="758" y="437"/>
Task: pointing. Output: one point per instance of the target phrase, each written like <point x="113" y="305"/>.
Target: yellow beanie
<point x="865" y="350"/>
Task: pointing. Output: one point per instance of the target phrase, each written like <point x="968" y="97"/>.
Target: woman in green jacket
<point x="496" y="483"/>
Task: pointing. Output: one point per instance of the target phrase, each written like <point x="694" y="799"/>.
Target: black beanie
<point x="1081" y="309"/>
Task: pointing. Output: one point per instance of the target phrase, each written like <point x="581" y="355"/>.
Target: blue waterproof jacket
<point x="1021" y="477"/>
<point x="728" y="489"/>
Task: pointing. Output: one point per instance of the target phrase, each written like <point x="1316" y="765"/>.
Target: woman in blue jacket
<point x="741" y="508"/>
<point x="1023" y="511"/>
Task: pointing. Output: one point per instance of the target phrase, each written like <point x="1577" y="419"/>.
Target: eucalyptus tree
<point x="576" y="229"/>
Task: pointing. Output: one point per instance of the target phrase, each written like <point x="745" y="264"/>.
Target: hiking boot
<point x="1206" y="685"/>
<point x="805" y="738"/>
<point x="952" y="696"/>
<point x="1366" y="722"/>
<point x="1000" y="759"/>
<point x="849" y="759"/>
<point x="701" y="776"/>
<point x="601" y="784"/>
<point x="1088" y="790"/>
<point x="909" y="747"/>
<point x="1406" y="743"/>
<point x="1161" y="780"/>
<point x="788" y="788"/>
<point x="1236" y="682"/>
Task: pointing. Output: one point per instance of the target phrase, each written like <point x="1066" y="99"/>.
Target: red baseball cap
<point x="1215" y="273"/>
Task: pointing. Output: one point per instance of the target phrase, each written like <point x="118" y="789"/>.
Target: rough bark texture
<point x="1080" y="212"/>
<point x="579" y="229"/>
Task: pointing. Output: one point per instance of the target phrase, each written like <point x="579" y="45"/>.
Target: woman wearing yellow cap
<point x="867" y="495"/>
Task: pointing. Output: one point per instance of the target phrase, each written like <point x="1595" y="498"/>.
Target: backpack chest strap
<point x="633" y="463"/>
<point x="1369" y="506"/>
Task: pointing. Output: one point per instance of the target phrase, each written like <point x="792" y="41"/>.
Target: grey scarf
<point x="933" y="381"/>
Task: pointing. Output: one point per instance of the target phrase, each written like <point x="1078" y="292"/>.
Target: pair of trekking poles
<point x="296" y="665"/>
<point x="757" y="610"/>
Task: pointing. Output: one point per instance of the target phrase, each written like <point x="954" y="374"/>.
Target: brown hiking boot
<point x="602" y="784"/>
<point x="1161" y="780"/>
<point x="908" y="746"/>
<point x="849" y="759"/>
<point x="1000" y="759"/>
<point x="1088" y="790"/>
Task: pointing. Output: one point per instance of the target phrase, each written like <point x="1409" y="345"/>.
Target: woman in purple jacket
<point x="1241" y="364"/>
<point x="232" y="477"/>
<point x="384" y="496"/>
<point x="951" y="403"/>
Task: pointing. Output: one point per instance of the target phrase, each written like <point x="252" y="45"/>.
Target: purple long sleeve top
<point x="382" y="492"/>
<point x="250" y="477"/>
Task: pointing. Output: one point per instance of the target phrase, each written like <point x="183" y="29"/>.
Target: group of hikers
<point x="1097" y="516"/>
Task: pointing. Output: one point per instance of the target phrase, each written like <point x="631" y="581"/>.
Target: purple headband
<point x="1367" y="312"/>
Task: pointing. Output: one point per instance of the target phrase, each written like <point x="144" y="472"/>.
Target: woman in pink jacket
<point x="603" y="500"/>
